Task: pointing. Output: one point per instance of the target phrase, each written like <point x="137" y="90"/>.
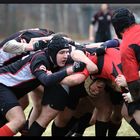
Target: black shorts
<point x="75" y="93"/>
<point x="58" y="98"/>
<point x="133" y="106"/>
<point x="55" y="96"/>
<point x="8" y="99"/>
<point x="116" y="97"/>
<point x="102" y="37"/>
<point x="3" y="120"/>
<point x="21" y="91"/>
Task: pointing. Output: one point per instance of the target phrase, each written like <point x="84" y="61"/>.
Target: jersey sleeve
<point x="38" y="65"/>
<point x="85" y="72"/>
<point x="39" y="68"/>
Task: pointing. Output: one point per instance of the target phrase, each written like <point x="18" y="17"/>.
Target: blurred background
<point x="73" y="19"/>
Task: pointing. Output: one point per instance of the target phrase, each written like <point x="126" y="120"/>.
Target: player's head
<point x="104" y="7"/>
<point x="97" y="87"/>
<point x="55" y="45"/>
<point x="122" y="19"/>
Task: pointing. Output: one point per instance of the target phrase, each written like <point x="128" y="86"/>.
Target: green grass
<point x="125" y="129"/>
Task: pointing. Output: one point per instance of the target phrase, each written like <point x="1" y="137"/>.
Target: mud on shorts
<point x="57" y="97"/>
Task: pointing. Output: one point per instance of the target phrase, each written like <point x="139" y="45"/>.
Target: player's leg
<point x="54" y="101"/>
<point x="11" y="109"/>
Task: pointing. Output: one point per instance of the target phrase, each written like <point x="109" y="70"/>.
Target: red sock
<point x="6" y="131"/>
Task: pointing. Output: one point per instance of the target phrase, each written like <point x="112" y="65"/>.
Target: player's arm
<point x="91" y="32"/>
<point x="39" y="70"/>
<point x="113" y="43"/>
<point x="93" y="45"/>
<point x="44" y="38"/>
<point x="97" y="48"/>
<point x="92" y="28"/>
<point x="75" y="79"/>
<point x="15" y="47"/>
<point x="78" y="55"/>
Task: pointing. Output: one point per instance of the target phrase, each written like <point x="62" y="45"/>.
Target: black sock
<point x="83" y="123"/>
<point x="72" y="122"/>
<point x="135" y="126"/>
<point x="113" y="128"/>
<point x="36" y="130"/>
<point x="58" y="131"/>
<point x="79" y="125"/>
<point x="71" y="126"/>
<point x="101" y="128"/>
<point x="24" y="130"/>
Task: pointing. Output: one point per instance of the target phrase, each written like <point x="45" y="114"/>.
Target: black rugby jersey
<point x="30" y="72"/>
<point x="103" y="21"/>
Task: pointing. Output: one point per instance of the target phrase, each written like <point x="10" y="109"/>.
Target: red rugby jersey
<point x="130" y="65"/>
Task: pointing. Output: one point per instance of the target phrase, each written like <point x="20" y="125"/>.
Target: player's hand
<point x="127" y="97"/>
<point x="78" y="66"/>
<point x="121" y="81"/>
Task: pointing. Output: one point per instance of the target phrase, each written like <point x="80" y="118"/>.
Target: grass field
<point x="125" y="129"/>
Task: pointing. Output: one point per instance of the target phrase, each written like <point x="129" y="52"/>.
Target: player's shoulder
<point x="39" y="54"/>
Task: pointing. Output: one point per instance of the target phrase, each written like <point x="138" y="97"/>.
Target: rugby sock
<point x="72" y="122"/>
<point x="6" y="131"/>
<point x="58" y="131"/>
<point x="113" y="128"/>
<point x="71" y="126"/>
<point x="101" y="128"/>
<point x="24" y="130"/>
<point x="79" y="125"/>
<point x="135" y="126"/>
<point x="36" y="130"/>
<point x="83" y="123"/>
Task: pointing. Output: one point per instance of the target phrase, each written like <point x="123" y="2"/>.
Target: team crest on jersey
<point x="42" y="67"/>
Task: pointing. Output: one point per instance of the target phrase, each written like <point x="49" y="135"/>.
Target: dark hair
<point x="122" y="19"/>
<point x="56" y="44"/>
